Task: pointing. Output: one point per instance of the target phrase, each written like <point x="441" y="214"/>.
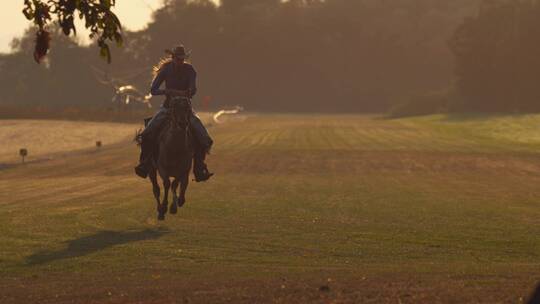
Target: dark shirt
<point x="176" y="78"/>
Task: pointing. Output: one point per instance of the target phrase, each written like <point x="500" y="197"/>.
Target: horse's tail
<point x="138" y="137"/>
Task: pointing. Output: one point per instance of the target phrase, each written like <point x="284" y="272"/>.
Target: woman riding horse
<point x="180" y="81"/>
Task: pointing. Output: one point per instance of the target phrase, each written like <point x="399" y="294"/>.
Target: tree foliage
<point x="96" y="14"/>
<point x="333" y="55"/>
<point x="267" y="55"/>
<point x="497" y="62"/>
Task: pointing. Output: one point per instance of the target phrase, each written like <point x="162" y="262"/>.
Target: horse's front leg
<point x="165" y="202"/>
<point x="155" y="188"/>
<point x="183" y="187"/>
<point x="174" y="187"/>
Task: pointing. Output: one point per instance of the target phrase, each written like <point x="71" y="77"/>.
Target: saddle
<point x="159" y="133"/>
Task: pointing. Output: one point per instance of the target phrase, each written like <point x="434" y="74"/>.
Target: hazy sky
<point x="134" y="14"/>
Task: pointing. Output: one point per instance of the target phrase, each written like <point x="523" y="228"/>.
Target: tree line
<point x="305" y="55"/>
<point x="497" y="57"/>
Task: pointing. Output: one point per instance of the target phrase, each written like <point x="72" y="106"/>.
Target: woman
<point x="180" y="80"/>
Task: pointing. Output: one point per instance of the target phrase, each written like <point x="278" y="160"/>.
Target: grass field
<point x="48" y="138"/>
<point x="303" y="208"/>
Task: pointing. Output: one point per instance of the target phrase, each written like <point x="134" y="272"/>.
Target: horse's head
<point x="180" y="112"/>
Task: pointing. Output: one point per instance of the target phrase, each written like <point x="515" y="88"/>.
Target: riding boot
<point x="147" y="140"/>
<point x="200" y="170"/>
<point x="144" y="160"/>
<point x="203" y="143"/>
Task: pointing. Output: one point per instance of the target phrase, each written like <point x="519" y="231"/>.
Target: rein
<point x="176" y="124"/>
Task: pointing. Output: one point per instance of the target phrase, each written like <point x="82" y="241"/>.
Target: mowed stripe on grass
<point x="48" y="138"/>
<point x="373" y="133"/>
<point x="389" y="205"/>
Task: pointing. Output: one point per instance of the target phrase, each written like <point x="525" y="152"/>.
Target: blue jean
<point x="154" y="126"/>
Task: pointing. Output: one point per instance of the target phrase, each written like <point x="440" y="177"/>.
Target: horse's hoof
<point x="181" y="202"/>
<point x="161" y="217"/>
<point x="173" y="210"/>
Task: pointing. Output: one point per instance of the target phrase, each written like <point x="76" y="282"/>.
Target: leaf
<point x="67" y="25"/>
<point x="116" y="20"/>
<point x="119" y="39"/>
<point x="43" y="39"/>
<point x="28" y="13"/>
<point x="105" y="3"/>
<point x="97" y="15"/>
<point x="105" y="52"/>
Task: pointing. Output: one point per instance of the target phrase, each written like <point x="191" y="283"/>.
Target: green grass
<point x="431" y="209"/>
<point x="49" y="138"/>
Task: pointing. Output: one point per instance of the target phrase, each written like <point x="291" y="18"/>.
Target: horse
<point x="174" y="157"/>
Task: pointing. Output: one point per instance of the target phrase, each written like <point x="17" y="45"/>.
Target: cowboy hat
<point x="178" y="51"/>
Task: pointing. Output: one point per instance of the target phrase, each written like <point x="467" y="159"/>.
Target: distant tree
<point x="97" y="15"/>
<point x="497" y="63"/>
<point x="65" y="78"/>
<point x="267" y="55"/>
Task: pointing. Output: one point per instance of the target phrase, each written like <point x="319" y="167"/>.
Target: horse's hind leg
<point x="174" y="187"/>
<point x="183" y="187"/>
<point x="155" y="187"/>
<point x="165" y="202"/>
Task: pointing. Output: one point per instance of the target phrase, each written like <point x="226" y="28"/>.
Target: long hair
<point x="162" y="62"/>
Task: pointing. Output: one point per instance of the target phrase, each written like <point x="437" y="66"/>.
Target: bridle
<point x="184" y="126"/>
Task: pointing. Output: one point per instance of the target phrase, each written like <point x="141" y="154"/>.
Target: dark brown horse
<point x="174" y="157"/>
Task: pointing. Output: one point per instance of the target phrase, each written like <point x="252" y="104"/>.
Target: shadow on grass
<point x="93" y="243"/>
<point x="535" y="297"/>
